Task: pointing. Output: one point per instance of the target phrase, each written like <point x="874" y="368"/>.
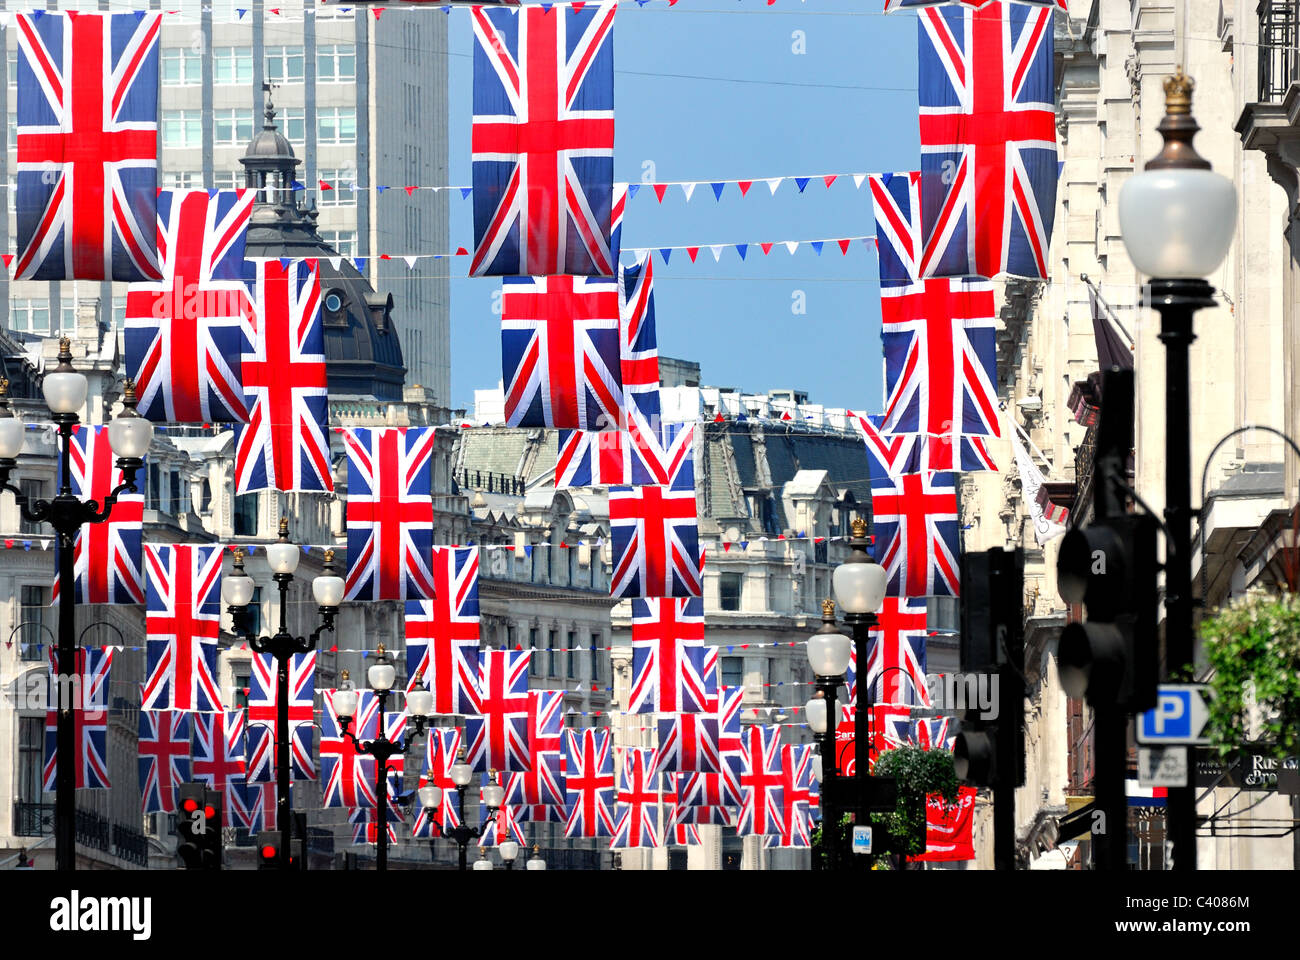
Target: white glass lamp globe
<point x="11" y="437"/>
<point x="1177" y="223"/>
<point x="816" y="713"/>
<point x="536" y="863"/>
<point x="65" y="391"/>
<point x="509" y="849"/>
<point x="237" y="590"/>
<point x="419" y="702"/>
<point x="345" y="698"/>
<point x="828" y="654"/>
<point x="130" y="436"/>
<point x="860" y="585"/>
<point x="493" y="794"/>
<point x="461" y="774"/>
<point x="382" y="676"/>
<point x="430" y="797"/>
<point x="483" y="864"/>
<point x="282" y="557"/>
<point x="328" y="590"/>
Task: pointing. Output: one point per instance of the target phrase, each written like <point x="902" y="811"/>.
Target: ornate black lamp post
<point x="129" y="435"/>
<point x="493" y="796"/>
<point x="237" y="591"/>
<point x="419" y="707"/>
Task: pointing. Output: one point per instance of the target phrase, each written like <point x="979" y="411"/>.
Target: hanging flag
<point x="262" y="717"/>
<point x="182" y="622"/>
<point x="389" y="513"/>
<point x="797" y="787"/>
<point x="688" y="743"/>
<point x="663" y="457"/>
<point x="347" y="776"/>
<point x="442" y="634"/>
<point x="496" y="722"/>
<point x="1031" y="480"/>
<point x="218" y="758"/>
<point x="637" y="341"/>
<point x="560" y="354"/>
<point x="668" y="657"/>
<point x="106" y="557"/>
<point x="638" y="802"/>
<point x="892" y="5"/>
<point x="896" y="198"/>
<point x="285" y="445"/>
<point x="591" y="458"/>
<point x="588" y="783"/>
<point x="86" y="694"/>
<point x="988" y="140"/>
<point x="896" y="654"/>
<point x="87" y="132"/>
<point x="683" y="833"/>
<point x="164" y="759"/>
<point x="543" y="140"/>
<point x="254" y="806"/>
<point x="898" y="453"/>
<point x="949" y="828"/>
<point x="915" y="521"/>
<point x="543" y="784"/>
<point x="185" y="334"/>
<point x="761" y="796"/>
<point x="655" y="543"/>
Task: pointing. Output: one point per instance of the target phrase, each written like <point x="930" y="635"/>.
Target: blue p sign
<point x="1179" y="715"/>
<point x="1171" y="716"/>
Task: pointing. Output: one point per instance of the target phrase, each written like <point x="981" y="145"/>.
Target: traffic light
<point x="198" y="823"/>
<point x="268" y="850"/>
<point x="1110" y="567"/>
<point x="989" y="749"/>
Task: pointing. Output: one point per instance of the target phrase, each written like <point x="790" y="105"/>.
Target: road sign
<point x="1162" y="766"/>
<point x="861" y="839"/>
<point x="1179" y="716"/>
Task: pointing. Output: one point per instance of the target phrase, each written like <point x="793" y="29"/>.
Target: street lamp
<point x="382" y="674"/>
<point x="129" y="436"/>
<point x="237" y="591"/>
<point x="509" y="849"/>
<point x="493" y="797"/>
<point x="1177" y="222"/>
<point x="482" y="863"/>
<point x="536" y="863"/>
<point x="828" y="655"/>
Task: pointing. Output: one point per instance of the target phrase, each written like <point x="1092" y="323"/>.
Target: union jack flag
<point x="285" y="446"/>
<point x="761" y="795"/>
<point x="988" y="140"/>
<point x="219" y="759"/>
<point x="638" y="802"/>
<point x="560" y="353"/>
<point x="897" y="453"/>
<point x="796" y="797"/>
<point x="348" y="776"/>
<point x="543" y="785"/>
<point x="665" y="457"/>
<point x="106" y="557"/>
<point x="640" y="348"/>
<point x="261" y="718"/>
<point x="365" y="828"/>
<point x="543" y="141"/>
<point x="688" y="742"/>
<point x="253" y="805"/>
<point x="892" y="5"/>
<point x="591" y="458"/>
<point x="390" y="513"/>
<point x="588" y="783"/>
<point x="915" y="517"/>
<point x="498" y="736"/>
<point x="442" y="634"/>
<point x="668" y="659"/>
<point x="87" y="146"/>
<point x="186" y="333"/>
<point x="730" y="701"/>
<point x="86" y="692"/>
<point x="932" y="734"/>
<point x="164" y="759"/>
<point x="182" y="621"/>
<point x="890" y="725"/>
<point x="896" y="655"/>
<point x="656" y="543"/>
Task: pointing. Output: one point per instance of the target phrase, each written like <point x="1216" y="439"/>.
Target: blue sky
<point x="711" y="89"/>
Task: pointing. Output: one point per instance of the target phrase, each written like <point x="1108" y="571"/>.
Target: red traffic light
<point x="209" y="811"/>
<point x="269" y="852"/>
<point x="190" y="805"/>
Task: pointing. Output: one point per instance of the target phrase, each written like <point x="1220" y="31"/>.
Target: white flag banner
<point x="1030" y="480"/>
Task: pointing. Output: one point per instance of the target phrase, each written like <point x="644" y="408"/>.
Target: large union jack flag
<point x="638" y="342"/>
<point x="496" y="726"/>
<point x="106" y="557"/>
<point x="638" y="802"/>
<point x="560" y="354"/>
<point x="896" y="655"/>
<point x="348" y="776"/>
<point x="668" y="657"/>
<point x="915" y="526"/>
<point x="87" y="146"/>
<point x="186" y="333"/>
<point x="262" y="717"/>
<point x="892" y="5"/>
<point x="285" y="446"/>
<point x="761" y="795"/>
<point x="543" y="785"/>
<point x="164" y="759"/>
<point x="86" y="692"/>
<point x="442" y="634"/>
<point x="588" y="783"/>
<point x="656" y="542"/>
<point x="636" y="456"/>
<point x="182" y="621"/>
<point x="543" y="140"/>
<point x="591" y="458"/>
<point x="796" y="797"/>
<point x="390" y="513"/>
<point x="218" y="760"/>
<point x="988" y="140"/>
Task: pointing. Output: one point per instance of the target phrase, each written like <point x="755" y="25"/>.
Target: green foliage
<point x="919" y="773"/>
<point x="1254" y="647"/>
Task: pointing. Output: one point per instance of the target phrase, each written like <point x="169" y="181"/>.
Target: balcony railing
<point x="1279" y="47"/>
<point x="37" y="820"/>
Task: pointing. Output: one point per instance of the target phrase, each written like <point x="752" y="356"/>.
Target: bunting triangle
<point x="717" y="190"/>
<point x="773" y="184"/>
<point x="665" y="252"/>
<point x="716" y="250"/>
<point x="829" y="180"/>
<point x="692" y="252"/>
<point x="792" y="246"/>
<point x="660" y="189"/>
<point x="632" y="189"/>
<point x="741" y="248"/>
<point x="766" y="248"/>
<point x="688" y="189"/>
<point x="801" y="182"/>
<point x="744" y="186"/>
<point x="858" y="178"/>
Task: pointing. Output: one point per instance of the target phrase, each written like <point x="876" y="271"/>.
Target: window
<point x="550" y="654"/>
<point x="182" y="128"/>
<point x="345" y="242"/>
<point x="729" y="590"/>
<point x="67" y="315"/>
<point x="254" y="619"/>
<point x="31" y="747"/>
<point x="13" y="131"/>
<point x="182" y="179"/>
<point x="119" y="312"/>
<point x="336" y="63"/>
<point x="232" y="65"/>
<point x="174" y="499"/>
<point x="241" y="684"/>
<point x="293" y="121"/>
<point x="13" y="71"/>
<point x="245" y="515"/>
<point x="232" y="127"/>
<point x="943" y="614"/>
<point x="733" y="671"/>
<point x="595" y="659"/>
<point x="336" y="125"/>
<point x="34" y="609"/>
<point x="182" y="67"/>
<point x="31" y="315"/>
<point x="152" y="487"/>
<point x="227" y="180"/>
<point x="341" y="179"/>
<point x="284" y="64"/>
